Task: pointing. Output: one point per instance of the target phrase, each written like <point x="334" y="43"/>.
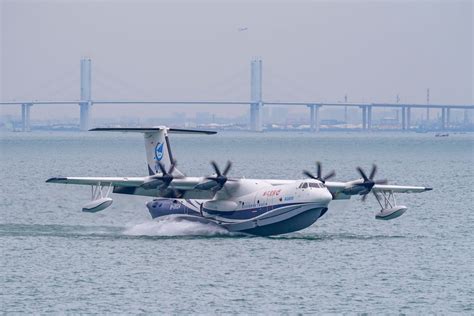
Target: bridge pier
<point x="408" y="110"/>
<point x="85" y="94"/>
<point x="311" y="117"/>
<point x="443" y="118"/>
<point x="314" y="117"/>
<point x="25" y="117"/>
<point x="369" y="117"/>
<point x="404" y="119"/>
<point x="364" y="117"/>
<point x="256" y="95"/>
<point x="448" y="118"/>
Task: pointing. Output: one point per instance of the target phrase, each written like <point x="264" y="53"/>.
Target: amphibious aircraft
<point x="254" y="206"/>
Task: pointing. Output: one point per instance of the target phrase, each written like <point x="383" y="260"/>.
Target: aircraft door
<point x="261" y="201"/>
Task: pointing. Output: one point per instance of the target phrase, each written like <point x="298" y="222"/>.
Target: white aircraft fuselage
<point x="254" y="206"/>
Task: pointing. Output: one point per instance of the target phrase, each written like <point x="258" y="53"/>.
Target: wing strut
<point x="387" y="202"/>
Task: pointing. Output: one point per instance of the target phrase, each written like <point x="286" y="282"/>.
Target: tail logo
<point x="159" y="151"/>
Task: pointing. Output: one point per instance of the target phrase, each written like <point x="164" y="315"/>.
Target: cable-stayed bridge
<point x="255" y="102"/>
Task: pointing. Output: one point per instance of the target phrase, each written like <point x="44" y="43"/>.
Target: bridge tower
<point x="25" y="117"/>
<point x="256" y="95"/>
<point x="85" y="94"/>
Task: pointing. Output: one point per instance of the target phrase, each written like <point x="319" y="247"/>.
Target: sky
<point x="201" y="50"/>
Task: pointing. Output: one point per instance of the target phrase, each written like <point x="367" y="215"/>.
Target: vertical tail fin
<point x="158" y="149"/>
<point x="157" y="144"/>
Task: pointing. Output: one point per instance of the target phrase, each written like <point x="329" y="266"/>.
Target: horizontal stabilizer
<point x="114" y="181"/>
<point x="151" y="130"/>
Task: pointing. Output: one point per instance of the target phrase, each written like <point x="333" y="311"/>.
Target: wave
<point x="171" y="225"/>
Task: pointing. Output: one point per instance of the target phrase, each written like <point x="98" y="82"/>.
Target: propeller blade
<point x="173" y="165"/>
<point x="227" y="168"/>
<point x="369" y="182"/>
<point x="219" y="185"/>
<point x="364" y="197"/>
<point x="220" y="178"/>
<point x="319" y="171"/>
<point x="362" y="173"/>
<point x="162" y="167"/>
<point x="329" y="175"/>
<point x="309" y="174"/>
<point x="216" y="168"/>
<point x="372" y="173"/>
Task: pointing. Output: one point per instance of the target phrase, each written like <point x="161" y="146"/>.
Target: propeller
<point x="369" y="181"/>
<point x="220" y="177"/>
<point x="319" y="173"/>
<point x="164" y="179"/>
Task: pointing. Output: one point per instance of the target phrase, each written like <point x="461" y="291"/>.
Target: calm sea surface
<point x="54" y="258"/>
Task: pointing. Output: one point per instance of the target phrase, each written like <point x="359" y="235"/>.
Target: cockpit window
<point x="305" y="185"/>
<point x="316" y="185"/>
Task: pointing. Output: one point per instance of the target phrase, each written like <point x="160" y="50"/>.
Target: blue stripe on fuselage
<point x="248" y="213"/>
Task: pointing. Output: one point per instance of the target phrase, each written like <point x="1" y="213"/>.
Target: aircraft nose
<point x="322" y="196"/>
<point x="327" y="196"/>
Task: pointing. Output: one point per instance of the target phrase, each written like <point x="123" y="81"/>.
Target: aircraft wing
<point x="339" y="192"/>
<point x="187" y="187"/>
<point x="399" y="188"/>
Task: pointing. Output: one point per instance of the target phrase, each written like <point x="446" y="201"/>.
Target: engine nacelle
<point x="391" y="213"/>
<point x="97" y="205"/>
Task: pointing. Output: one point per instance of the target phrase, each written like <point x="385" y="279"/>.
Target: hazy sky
<point x="175" y="50"/>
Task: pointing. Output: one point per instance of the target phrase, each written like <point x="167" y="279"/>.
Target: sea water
<point x="57" y="259"/>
